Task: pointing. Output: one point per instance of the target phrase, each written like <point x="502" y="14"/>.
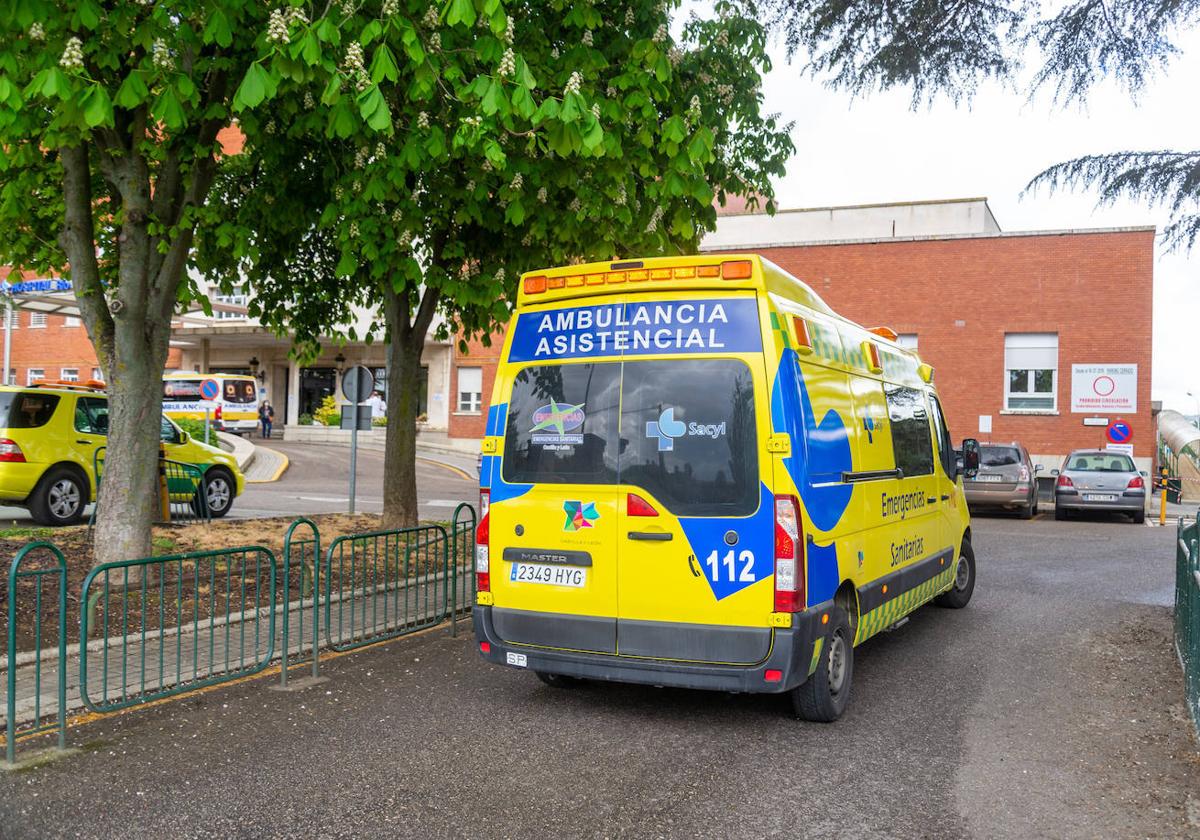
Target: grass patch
<point x="26" y="533"/>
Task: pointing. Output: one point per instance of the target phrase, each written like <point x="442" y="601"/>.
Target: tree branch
<point x="77" y="239"/>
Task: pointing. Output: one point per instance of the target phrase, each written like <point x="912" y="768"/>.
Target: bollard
<point x="1162" y="504"/>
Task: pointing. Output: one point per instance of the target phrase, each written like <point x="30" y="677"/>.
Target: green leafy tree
<point x="503" y="139"/>
<point x="948" y="46"/>
<point x="109" y="115"/>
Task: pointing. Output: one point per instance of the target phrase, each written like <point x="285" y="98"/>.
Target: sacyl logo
<point x="666" y="428"/>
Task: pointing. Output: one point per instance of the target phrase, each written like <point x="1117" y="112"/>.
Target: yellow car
<point x="49" y="435"/>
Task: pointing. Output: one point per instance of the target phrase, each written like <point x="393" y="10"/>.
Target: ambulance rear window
<point x="685" y="433"/>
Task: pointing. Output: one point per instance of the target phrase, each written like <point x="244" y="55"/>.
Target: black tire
<point x="824" y="697"/>
<point x="219" y="489"/>
<point x="557" y="680"/>
<point x="964" y="580"/>
<point x="59" y="498"/>
<point x="1060" y="513"/>
<point x="1030" y="510"/>
<point x="1139" y="518"/>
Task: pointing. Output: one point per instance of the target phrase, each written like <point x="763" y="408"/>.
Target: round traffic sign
<point x="210" y="389"/>
<point x="1118" y="431"/>
<point x="358" y="383"/>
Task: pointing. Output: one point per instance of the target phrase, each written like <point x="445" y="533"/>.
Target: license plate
<point x="517" y="659"/>
<point x="548" y="574"/>
<point x="986" y="477"/>
<point x="1099" y="497"/>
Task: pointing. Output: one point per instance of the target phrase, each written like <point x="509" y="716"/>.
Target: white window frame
<point x="37" y="320"/>
<point x="1030" y="353"/>
<point x="72" y="321"/>
<point x="470" y="402"/>
<point x="68" y="374"/>
<point x="97" y="374"/>
<point x="30" y="378"/>
<point x="908" y="341"/>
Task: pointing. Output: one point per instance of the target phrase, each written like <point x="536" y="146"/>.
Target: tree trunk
<point x="406" y="340"/>
<point x="129" y="490"/>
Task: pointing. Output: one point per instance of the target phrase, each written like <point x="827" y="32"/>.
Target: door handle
<point x="84" y="442"/>
<point x="945" y="497"/>
<point x="656" y="536"/>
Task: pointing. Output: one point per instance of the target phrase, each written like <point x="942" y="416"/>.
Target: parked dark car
<point x="1097" y="479"/>
<point x="1006" y="479"/>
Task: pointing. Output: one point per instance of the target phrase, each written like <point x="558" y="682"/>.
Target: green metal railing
<point x="159" y="626"/>
<point x="384" y="584"/>
<point x="1187" y="611"/>
<point x="173" y="624"/>
<point x="462" y="563"/>
<point x="186" y="493"/>
<point x="301" y="559"/>
<point x="17" y="574"/>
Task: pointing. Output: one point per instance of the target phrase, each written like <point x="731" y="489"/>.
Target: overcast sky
<point x="877" y="149"/>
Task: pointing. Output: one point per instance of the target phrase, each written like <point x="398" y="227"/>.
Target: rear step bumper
<point x="791" y="653"/>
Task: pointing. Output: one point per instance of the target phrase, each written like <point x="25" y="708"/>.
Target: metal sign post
<point x="357" y="385"/>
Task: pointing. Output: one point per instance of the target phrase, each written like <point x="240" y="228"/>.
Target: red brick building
<point x="1042" y="337"/>
<point x="472" y="375"/>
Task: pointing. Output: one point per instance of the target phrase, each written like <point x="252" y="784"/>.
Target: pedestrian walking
<point x="266" y="416"/>
<point x="378" y="405"/>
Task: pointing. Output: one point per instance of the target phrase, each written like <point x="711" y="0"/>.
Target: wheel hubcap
<point x="837" y="662"/>
<point x="962" y="574"/>
<point x="218" y="494"/>
<point x="64" y="499"/>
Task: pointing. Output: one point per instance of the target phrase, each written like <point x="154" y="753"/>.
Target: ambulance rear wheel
<point x="557" y="680"/>
<point x="964" y="580"/>
<point x="824" y="697"/>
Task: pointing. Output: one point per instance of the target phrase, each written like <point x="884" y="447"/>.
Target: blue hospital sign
<point x="716" y="325"/>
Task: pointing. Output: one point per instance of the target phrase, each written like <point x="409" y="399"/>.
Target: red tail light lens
<point x="217" y="413"/>
<point x="789" y="556"/>
<point x="483" y="577"/>
<point x="485" y="647"/>
<point x="635" y="505"/>
<point x="10" y="452"/>
<point x="1136" y="483"/>
<point x="1065" y="481"/>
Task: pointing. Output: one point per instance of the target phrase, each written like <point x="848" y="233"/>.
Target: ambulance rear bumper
<point x="790" y="653"/>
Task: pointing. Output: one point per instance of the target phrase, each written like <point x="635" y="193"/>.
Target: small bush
<point x="328" y="414"/>
<point x="305" y="419"/>
<point x="379" y="421"/>
<point x="195" y="429"/>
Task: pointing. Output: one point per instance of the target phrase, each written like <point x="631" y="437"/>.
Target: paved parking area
<point x="1050" y="707"/>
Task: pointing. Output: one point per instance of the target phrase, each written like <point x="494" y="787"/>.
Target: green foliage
<point x="584" y="130"/>
<point x="328" y="413"/>
<point x="305" y="419"/>
<point x="195" y="430"/>
<point x="379" y="422"/>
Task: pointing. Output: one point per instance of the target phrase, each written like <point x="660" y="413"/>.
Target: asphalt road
<point x="318" y="481"/>
<point x="1050" y="707"/>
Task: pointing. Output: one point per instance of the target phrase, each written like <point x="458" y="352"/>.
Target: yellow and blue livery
<point x="696" y="474"/>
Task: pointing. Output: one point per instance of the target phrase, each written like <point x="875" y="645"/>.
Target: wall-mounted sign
<point x="1126" y="448"/>
<point x="1104" y="388"/>
<point x="1095" y="421"/>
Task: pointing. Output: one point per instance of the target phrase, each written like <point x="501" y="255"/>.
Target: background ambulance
<point x="231" y="399"/>
<point x="696" y="474"/>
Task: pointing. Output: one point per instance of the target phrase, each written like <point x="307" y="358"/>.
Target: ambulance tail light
<point x="1136" y="483"/>
<point x="217" y="413"/>
<point x="789" y="556"/>
<point x="483" y="577"/>
<point x="10" y="452"/>
<point x="635" y="505"/>
<point x="1065" y="481"/>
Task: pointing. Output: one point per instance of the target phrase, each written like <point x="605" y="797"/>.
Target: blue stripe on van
<point x="823" y="572"/>
<point x="491" y="479"/>
<point x="497" y="419"/>
<point x="756" y="534"/>
<point x="820" y="451"/>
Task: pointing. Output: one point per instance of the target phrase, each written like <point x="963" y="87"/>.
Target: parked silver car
<point x="1096" y="479"/>
<point x="1006" y="479"/>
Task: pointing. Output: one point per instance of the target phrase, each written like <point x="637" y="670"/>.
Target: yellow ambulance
<point x="696" y="474"/>
<point x="229" y="399"/>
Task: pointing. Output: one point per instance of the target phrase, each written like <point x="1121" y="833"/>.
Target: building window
<point x="71" y="321"/>
<point x="237" y="297"/>
<point x="470" y="389"/>
<point x="1031" y="371"/>
<point x="12" y="376"/>
<point x="69" y="375"/>
<point x="97" y="374"/>
<point x="37" y="319"/>
<point x="33" y="375"/>
<point x="907" y="340"/>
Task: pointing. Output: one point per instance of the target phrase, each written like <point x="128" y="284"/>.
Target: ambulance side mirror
<point x="970" y="458"/>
